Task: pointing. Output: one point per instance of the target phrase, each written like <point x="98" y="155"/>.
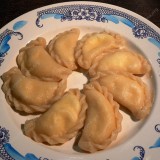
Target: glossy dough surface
<point x="129" y="91"/>
<point x="115" y="77"/>
<point x="61" y="122"/>
<point x="30" y="95"/>
<point x="62" y="48"/>
<point x="121" y="60"/>
<point x="93" y="45"/>
<point x="33" y="60"/>
<point x="103" y="119"/>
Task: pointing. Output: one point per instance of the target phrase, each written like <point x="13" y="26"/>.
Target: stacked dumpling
<point x="38" y="85"/>
<point x="112" y="67"/>
<point x="111" y="64"/>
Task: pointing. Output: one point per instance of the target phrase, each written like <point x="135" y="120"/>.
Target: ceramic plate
<point x="139" y="140"/>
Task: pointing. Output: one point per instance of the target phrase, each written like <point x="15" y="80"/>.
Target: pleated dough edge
<point x="95" y="147"/>
<point x="30" y="124"/>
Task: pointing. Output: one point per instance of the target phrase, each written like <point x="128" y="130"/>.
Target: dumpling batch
<point x="28" y="94"/>
<point x="62" y="120"/>
<point x="92" y="117"/>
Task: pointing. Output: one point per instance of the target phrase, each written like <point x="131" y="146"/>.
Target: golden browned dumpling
<point x="62" y="48"/>
<point x="61" y="122"/>
<point x="40" y="41"/>
<point x="93" y="45"/>
<point x="122" y="60"/>
<point x="103" y="119"/>
<point x="129" y="91"/>
<point x="33" y="60"/>
<point x="30" y="95"/>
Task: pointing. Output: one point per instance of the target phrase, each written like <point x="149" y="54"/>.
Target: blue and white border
<point x="5" y="37"/>
<point x="99" y="14"/>
<point x="78" y="12"/>
<point x="8" y="152"/>
<point x="85" y="12"/>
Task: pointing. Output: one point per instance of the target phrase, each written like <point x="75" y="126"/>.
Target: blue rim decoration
<point x="4" y="138"/>
<point x="99" y="14"/>
<point x="18" y="25"/>
<point x="157" y="128"/>
<point x="7" y="152"/>
<point x="68" y="13"/>
<point x="157" y="141"/>
<point x="5" y="37"/>
<point x="141" y="153"/>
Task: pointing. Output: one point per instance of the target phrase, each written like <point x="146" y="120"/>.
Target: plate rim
<point x="84" y="3"/>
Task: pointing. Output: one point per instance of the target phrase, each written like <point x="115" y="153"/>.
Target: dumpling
<point x="30" y="95"/>
<point x="40" y="41"/>
<point x="93" y="45"/>
<point x="122" y="60"/>
<point x="36" y="62"/>
<point x="129" y="91"/>
<point x="61" y="122"/>
<point x="62" y="48"/>
<point x="103" y="119"/>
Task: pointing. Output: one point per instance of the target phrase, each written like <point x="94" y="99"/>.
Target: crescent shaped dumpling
<point x="28" y="94"/>
<point x="61" y="122"/>
<point x="62" y="48"/>
<point x="124" y="61"/>
<point x="36" y="62"/>
<point x="129" y="91"/>
<point x="93" y="45"/>
<point x="103" y="119"/>
<point x="39" y="41"/>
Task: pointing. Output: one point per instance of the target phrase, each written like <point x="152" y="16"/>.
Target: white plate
<point x="138" y="140"/>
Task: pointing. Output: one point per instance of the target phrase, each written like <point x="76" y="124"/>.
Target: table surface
<point x="11" y="9"/>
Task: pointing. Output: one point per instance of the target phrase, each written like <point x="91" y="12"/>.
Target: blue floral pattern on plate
<point x="7" y="152"/>
<point x="157" y="142"/>
<point x="79" y="12"/>
<point x="18" y="25"/>
<point x="100" y="14"/>
<point x="157" y="128"/>
<point x="5" y="37"/>
<point x="141" y="153"/>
